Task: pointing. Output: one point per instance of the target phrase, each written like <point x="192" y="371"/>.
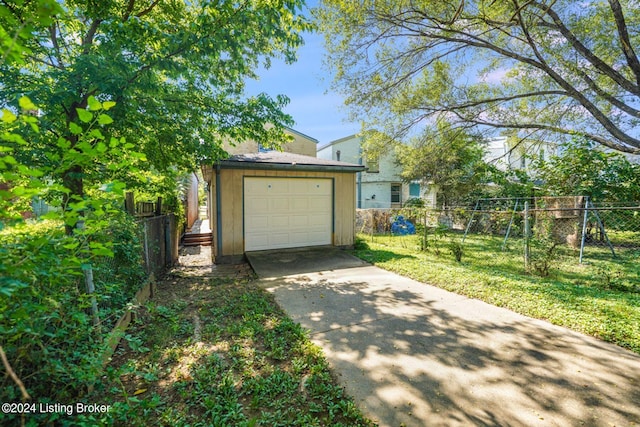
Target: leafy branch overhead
<point x="555" y="68"/>
<point x="175" y="70"/>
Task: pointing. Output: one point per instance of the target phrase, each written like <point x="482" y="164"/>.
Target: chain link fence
<point x="537" y="229"/>
<point x="151" y="244"/>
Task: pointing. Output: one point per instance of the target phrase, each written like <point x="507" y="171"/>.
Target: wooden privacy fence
<point x="160" y="239"/>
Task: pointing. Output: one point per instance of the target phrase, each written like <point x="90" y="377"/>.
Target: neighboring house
<point x="262" y="200"/>
<point x="380" y="185"/>
<point x="504" y="156"/>
<point x="301" y="144"/>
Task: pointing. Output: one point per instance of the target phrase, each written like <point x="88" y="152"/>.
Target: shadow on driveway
<point x="417" y="355"/>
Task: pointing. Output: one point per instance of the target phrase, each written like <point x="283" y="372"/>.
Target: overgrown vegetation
<point x="219" y="352"/>
<point x="118" y="98"/>
<point x="46" y="324"/>
<point x="601" y="298"/>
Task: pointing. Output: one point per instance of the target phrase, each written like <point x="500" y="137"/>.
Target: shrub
<point x="46" y="327"/>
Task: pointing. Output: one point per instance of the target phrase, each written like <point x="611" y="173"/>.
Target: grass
<point x="599" y="298"/>
<point x="215" y="352"/>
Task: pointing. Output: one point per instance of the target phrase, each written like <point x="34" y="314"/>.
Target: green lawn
<point x="600" y="298"/>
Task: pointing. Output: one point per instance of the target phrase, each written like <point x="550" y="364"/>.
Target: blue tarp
<point x="402" y="227"/>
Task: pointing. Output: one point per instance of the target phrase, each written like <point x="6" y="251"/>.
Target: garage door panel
<point x="279" y="239"/>
<point x="316" y="236"/>
<point x="300" y="204"/>
<point x="258" y="204"/>
<point x="279" y="204"/>
<point x="319" y="203"/>
<point x="298" y="212"/>
<point x="299" y="221"/>
<point x="280" y="221"/>
<point x="260" y="240"/>
<point x="299" y="186"/>
<point x="278" y="186"/>
<point x="259" y="223"/>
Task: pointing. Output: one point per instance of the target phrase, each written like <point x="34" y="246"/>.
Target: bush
<point x="46" y="326"/>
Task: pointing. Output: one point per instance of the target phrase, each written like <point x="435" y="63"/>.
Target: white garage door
<point x="287" y="212"/>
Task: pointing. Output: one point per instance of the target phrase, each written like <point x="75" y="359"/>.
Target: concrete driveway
<point x="415" y="355"/>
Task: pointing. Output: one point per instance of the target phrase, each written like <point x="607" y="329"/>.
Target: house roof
<point x="338" y="141"/>
<point x="290" y="161"/>
<point x="310" y="138"/>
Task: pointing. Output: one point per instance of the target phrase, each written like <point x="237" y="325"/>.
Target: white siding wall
<point x="371" y="183"/>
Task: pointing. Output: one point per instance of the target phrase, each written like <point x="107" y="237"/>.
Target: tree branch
<point x="87" y="41"/>
<point x="12" y="374"/>
<point x="586" y="53"/>
<point x="616" y="102"/>
<point x="629" y="53"/>
<point x="467" y="38"/>
<point x="53" y="35"/>
<point x="539" y="126"/>
<point x="128" y="10"/>
<point x="147" y="10"/>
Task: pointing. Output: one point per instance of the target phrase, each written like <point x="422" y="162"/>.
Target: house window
<point x="263" y="149"/>
<point x="396" y="192"/>
<point x="373" y="165"/>
<point x="338" y="155"/>
<point x="414" y="189"/>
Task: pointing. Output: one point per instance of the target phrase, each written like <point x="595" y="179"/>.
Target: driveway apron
<point x="415" y="355"/>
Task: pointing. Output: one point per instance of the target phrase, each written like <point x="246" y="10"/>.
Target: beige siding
<point x="298" y="145"/>
<point x="213" y="206"/>
<point x="241" y="148"/>
<point x="231" y="197"/>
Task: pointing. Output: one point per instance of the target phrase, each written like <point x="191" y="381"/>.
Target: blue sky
<point x="317" y="111"/>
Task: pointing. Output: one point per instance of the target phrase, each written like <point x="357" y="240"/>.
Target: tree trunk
<point x="72" y="179"/>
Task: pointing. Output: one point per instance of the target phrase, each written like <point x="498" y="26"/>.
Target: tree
<point x="172" y="71"/>
<point x="556" y="68"/>
<point x="584" y="169"/>
<point x="449" y="158"/>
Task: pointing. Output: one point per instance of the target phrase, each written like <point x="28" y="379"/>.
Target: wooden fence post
<point x="159" y="206"/>
<point x="129" y="203"/>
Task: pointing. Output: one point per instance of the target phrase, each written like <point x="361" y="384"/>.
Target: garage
<point x="275" y="200"/>
<point x="287" y="212"/>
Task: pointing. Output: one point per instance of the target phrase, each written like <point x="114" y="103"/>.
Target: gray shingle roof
<point x="280" y="160"/>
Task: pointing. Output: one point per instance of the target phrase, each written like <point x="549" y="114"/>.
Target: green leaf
<point x="84" y="115"/>
<point x="26" y="104"/>
<point x="71" y="245"/>
<point x="75" y="129"/>
<point x="101" y="147"/>
<point x="63" y="143"/>
<point x="107" y="105"/>
<point x="8" y="116"/>
<point x="36" y="173"/>
<point x="94" y="104"/>
<point x="10" y="160"/>
<point x="95" y="133"/>
<point x="103" y="119"/>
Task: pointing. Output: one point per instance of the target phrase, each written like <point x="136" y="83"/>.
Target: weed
<point x="252" y="365"/>
<point x="457" y="250"/>
<point x="135" y="343"/>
